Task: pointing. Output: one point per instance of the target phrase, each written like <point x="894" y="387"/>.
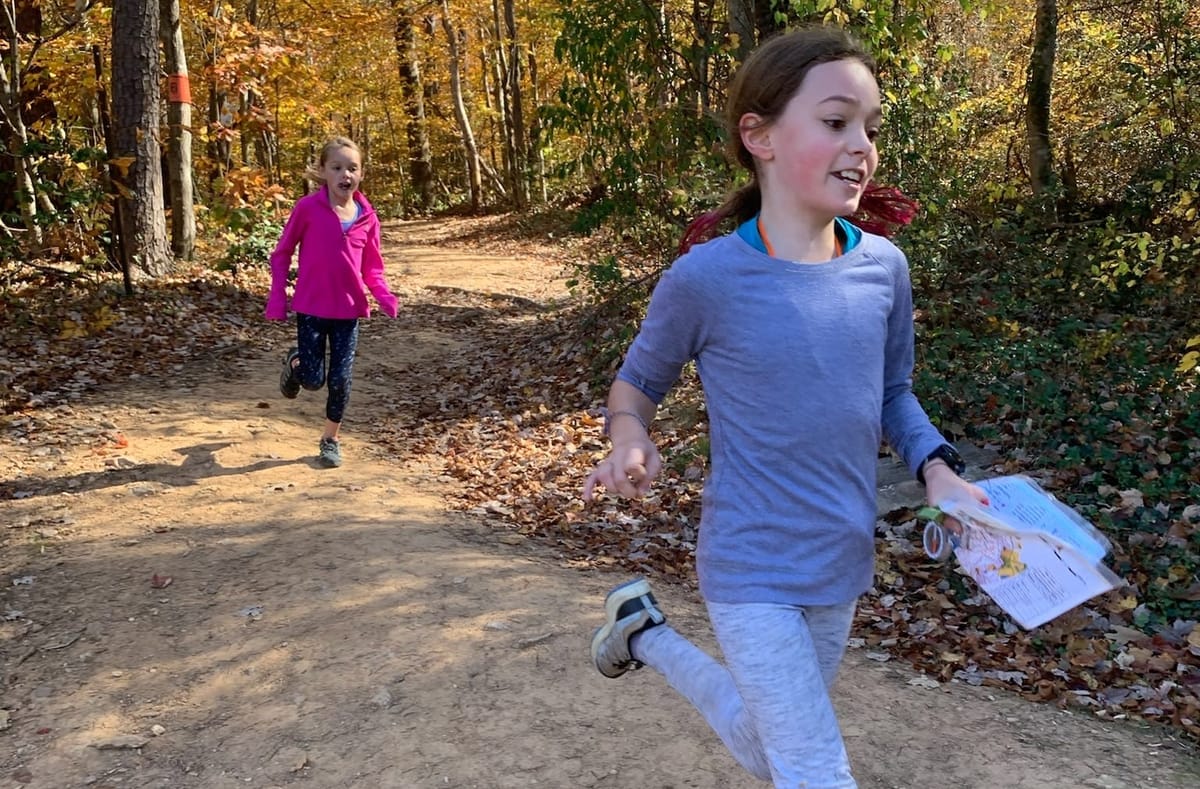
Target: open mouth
<point x="850" y="176"/>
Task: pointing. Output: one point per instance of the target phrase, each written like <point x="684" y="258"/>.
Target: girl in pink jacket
<point x="338" y="234"/>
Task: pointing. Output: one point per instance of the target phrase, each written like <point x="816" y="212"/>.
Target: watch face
<point x="952" y="458"/>
<point x="948" y="454"/>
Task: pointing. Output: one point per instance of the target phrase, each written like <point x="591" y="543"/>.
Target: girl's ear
<point x="755" y="132"/>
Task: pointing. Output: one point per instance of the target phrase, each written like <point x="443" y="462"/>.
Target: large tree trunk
<point x="1038" y="87"/>
<point x="475" y="183"/>
<point x="135" y="112"/>
<point x="420" y="157"/>
<point x="179" y="139"/>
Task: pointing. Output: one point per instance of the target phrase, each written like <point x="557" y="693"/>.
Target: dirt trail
<point x="340" y="628"/>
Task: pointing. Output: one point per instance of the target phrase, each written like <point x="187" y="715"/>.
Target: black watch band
<point x="945" y="453"/>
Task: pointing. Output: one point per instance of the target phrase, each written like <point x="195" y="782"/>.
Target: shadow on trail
<point x="199" y="464"/>
<point x="362" y="639"/>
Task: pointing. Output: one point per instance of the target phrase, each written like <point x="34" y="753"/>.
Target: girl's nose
<point x="859" y="141"/>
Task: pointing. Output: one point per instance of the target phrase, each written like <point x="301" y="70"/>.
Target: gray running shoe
<point x="331" y="453"/>
<point x="631" y="608"/>
<point x="289" y="387"/>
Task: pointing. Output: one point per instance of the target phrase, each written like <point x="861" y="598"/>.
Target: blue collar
<point x="847" y="232"/>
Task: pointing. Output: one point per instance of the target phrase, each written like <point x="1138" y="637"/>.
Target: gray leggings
<point x="770" y="703"/>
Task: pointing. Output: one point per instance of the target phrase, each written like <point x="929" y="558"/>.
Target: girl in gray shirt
<point x="800" y="325"/>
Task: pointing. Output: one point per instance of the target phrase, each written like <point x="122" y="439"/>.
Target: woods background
<point x="1054" y="147"/>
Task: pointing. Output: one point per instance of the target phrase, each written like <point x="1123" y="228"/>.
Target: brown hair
<point x="313" y="171"/>
<point x="764" y="85"/>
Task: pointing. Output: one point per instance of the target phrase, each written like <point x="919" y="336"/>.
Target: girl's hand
<point x="276" y="306"/>
<point x="942" y="484"/>
<point x="627" y="471"/>
<point x="389" y="305"/>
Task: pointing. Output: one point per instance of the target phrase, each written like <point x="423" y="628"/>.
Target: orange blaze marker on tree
<point x="179" y="89"/>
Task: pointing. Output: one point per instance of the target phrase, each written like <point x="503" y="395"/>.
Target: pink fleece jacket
<point x="335" y="267"/>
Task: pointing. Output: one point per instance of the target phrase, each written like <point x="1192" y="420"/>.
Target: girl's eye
<point x="872" y="134"/>
<point x="835" y="123"/>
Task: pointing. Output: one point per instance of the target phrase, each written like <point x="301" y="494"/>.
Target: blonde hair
<point x="313" y="171"/>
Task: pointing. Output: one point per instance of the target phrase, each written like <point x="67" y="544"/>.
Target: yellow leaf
<point x="123" y="163"/>
<point x="1127" y="603"/>
<point x="70" y="330"/>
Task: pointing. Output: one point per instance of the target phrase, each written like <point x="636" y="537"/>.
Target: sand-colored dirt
<point x="341" y="628"/>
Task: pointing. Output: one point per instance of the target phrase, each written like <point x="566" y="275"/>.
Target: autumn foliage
<point x="1056" y="325"/>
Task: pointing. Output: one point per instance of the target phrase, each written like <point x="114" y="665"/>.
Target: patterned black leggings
<point x="342" y="336"/>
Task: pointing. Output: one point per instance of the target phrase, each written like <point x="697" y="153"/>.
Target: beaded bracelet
<point x="610" y="415"/>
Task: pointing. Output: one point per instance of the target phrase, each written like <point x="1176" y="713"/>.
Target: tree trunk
<point x="741" y="25"/>
<point x="1038" y="88"/>
<point x="220" y="152"/>
<point x="764" y="18"/>
<point x="10" y="109"/>
<point x="493" y="70"/>
<point x="420" y="157"/>
<point x="516" y="109"/>
<point x="503" y="105"/>
<point x="471" y="151"/>
<point x="179" y="139"/>
<point x="135" y="97"/>
<point x="116" y="248"/>
<point x="536" y="155"/>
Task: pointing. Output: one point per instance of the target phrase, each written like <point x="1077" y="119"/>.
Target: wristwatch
<point x="947" y="453"/>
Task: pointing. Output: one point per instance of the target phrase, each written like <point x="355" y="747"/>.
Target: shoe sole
<point x="618" y="597"/>
<point x="289" y="387"/>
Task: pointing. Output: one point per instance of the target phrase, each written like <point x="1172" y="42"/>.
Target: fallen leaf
<point x="924" y="681"/>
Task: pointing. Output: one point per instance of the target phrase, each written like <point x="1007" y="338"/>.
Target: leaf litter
<point x="514" y="420"/>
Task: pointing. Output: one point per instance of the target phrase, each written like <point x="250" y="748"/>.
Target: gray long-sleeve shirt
<point x="805" y="368"/>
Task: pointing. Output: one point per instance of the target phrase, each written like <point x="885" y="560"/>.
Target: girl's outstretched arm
<point x="633" y="462"/>
<point x="281" y="263"/>
<point x="372" y="274"/>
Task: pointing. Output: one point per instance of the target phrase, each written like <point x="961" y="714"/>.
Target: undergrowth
<point x="1025" y="344"/>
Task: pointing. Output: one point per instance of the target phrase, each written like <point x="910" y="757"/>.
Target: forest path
<point x="342" y="628"/>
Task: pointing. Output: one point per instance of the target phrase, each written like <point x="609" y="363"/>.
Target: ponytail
<point x="742" y="205"/>
<point x="882" y="210"/>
